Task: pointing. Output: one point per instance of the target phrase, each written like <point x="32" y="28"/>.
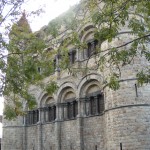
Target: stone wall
<point x="49" y="136"/>
<point x="127" y="117"/>
<point x="12" y="138"/>
<point x="129" y="126"/>
<point x="93" y="133"/>
<point x="31" y="140"/>
<point x="70" y="139"/>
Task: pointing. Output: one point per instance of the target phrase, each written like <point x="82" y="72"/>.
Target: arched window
<point x="32" y="117"/>
<point x="69" y="105"/>
<point x="49" y="110"/>
<point x="94" y="105"/>
<point x="93" y="99"/>
<point x="35" y="116"/>
<point x="72" y="56"/>
<point x="72" y="109"/>
<point x="49" y="113"/>
<point x="91" y="48"/>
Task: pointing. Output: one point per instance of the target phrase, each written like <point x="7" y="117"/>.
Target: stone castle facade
<point x="84" y="113"/>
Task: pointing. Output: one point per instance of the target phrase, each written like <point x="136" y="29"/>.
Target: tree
<point x="18" y="64"/>
<point x="9" y="10"/>
<point x="108" y="17"/>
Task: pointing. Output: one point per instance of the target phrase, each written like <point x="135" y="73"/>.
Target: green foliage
<point x="143" y="77"/>
<point x="114" y="82"/>
<point x="21" y="67"/>
<point x="9" y="112"/>
<point x="51" y="87"/>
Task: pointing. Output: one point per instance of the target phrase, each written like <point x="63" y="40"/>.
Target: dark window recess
<point x="35" y="116"/>
<point x="49" y="113"/>
<point x="52" y="113"/>
<point x="101" y="107"/>
<point x="72" y="56"/>
<point x="91" y="48"/>
<point x="71" y="110"/>
<point x="94" y="105"/>
<point x="75" y="109"/>
<point x="32" y="117"/>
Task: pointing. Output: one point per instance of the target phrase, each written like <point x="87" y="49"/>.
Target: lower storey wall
<point x="129" y="126"/>
<point x="14" y="142"/>
<point x="49" y="139"/>
<point x="31" y="136"/>
<point x="69" y="134"/>
<point x="93" y="133"/>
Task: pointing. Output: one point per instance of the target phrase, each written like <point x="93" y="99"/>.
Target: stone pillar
<point x="40" y="132"/>
<point x="84" y="107"/>
<point x="24" y="133"/>
<point x="59" y="116"/>
<point x="65" y="112"/>
<point x="80" y="123"/>
<point x="79" y="107"/>
<point x="77" y="55"/>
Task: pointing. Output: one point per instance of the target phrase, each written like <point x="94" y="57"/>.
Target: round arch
<point x="42" y="98"/>
<point x="90" y="83"/>
<point x="65" y="89"/>
<point x="88" y="35"/>
<point x="85" y="31"/>
<point x="49" y="100"/>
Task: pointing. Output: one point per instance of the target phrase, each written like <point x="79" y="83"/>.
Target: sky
<point x="52" y="9"/>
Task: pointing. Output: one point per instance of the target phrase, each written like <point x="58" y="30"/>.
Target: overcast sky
<point x="52" y="8"/>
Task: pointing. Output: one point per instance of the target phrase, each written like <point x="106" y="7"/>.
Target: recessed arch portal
<point x="91" y="95"/>
<point x="68" y="103"/>
<point x="49" y="101"/>
<point x="90" y="83"/>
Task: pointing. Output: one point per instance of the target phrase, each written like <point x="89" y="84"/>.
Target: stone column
<point x="84" y="107"/>
<point x="77" y="55"/>
<point x="59" y="110"/>
<point x="65" y="112"/>
<point x="24" y="134"/>
<point x="39" y="126"/>
<point x="80" y="122"/>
